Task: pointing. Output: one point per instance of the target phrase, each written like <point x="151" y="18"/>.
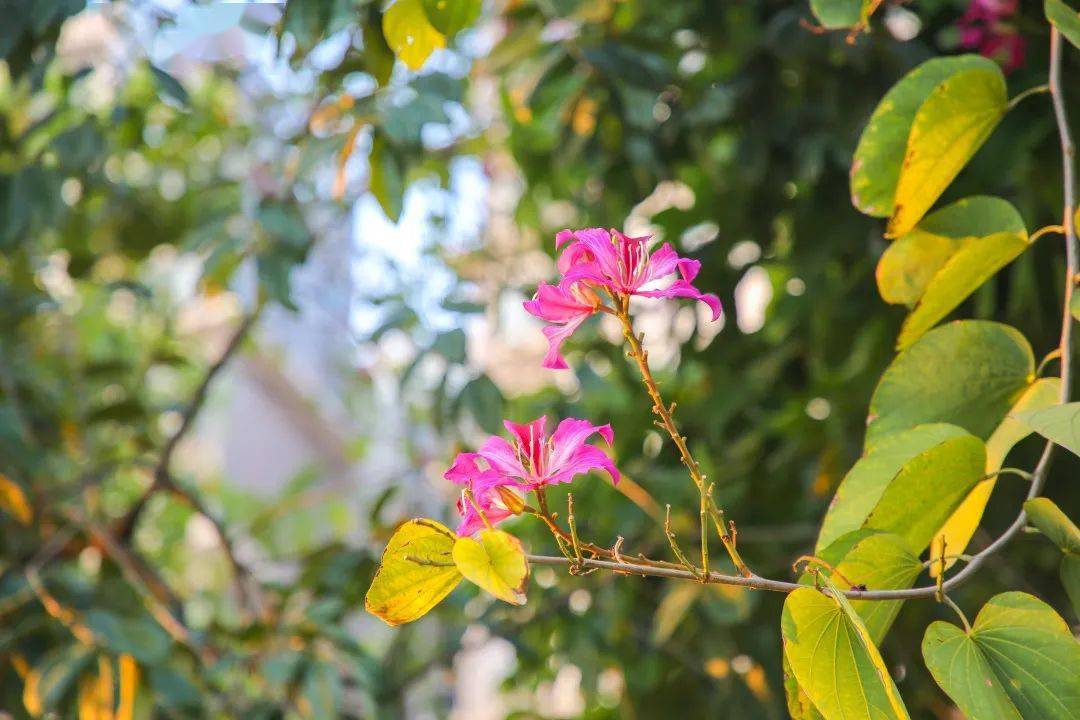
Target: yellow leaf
<point x="957" y="531"/>
<point x="32" y="694"/>
<point x="496" y="562"/>
<point x="909" y="264"/>
<point x="417" y="571"/>
<point x="409" y="34"/>
<point x="129" y="683"/>
<point x="13" y="500"/>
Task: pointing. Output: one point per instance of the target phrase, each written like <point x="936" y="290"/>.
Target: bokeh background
<point x="183" y="183"/>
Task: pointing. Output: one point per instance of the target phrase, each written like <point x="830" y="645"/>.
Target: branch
<point x="1038" y="476"/>
<point x="164" y="480"/>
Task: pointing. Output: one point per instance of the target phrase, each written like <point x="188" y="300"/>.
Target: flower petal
<point x="681" y="288"/>
<point x="464" y="469"/>
<point x="502" y="458"/>
<point x="557" y="335"/>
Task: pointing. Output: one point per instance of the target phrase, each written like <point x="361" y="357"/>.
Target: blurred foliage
<point x="738" y="125"/>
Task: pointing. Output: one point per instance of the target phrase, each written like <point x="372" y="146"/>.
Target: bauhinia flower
<point x="985" y="27"/>
<point x="502" y="471"/>
<point x="597" y="262"/>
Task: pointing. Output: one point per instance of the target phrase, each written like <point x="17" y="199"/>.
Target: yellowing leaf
<point x="879" y="157"/>
<point x="129" y="684"/>
<point x="13" y="500"/>
<point x="910" y="263"/>
<point x="496" y="562"/>
<point x="975" y="261"/>
<point x="410" y="34"/>
<point x="417" y="571"/>
<point x="834" y="660"/>
<point x="953" y="123"/>
<point x="957" y="532"/>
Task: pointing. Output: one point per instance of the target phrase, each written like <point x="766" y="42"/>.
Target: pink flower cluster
<point x="529" y="461"/>
<point x="985" y="27"/>
<point x="596" y="262"/>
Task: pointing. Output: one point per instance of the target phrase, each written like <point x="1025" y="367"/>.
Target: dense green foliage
<point x="748" y="122"/>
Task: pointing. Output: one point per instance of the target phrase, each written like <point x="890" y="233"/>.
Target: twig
<point x="164" y="480"/>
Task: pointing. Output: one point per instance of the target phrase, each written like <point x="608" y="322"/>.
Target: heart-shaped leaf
<point x="1018" y="661"/>
<point x="968" y="373"/>
<point x="834" y="659"/>
<point x="417" y="571"/>
<point x="954" y="121"/>
<point x="496" y="562"/>
<point x="879" y="156"/>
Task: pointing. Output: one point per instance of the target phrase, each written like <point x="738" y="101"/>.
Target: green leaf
<point x="968" y="373"/>
<point x="959" y="529"/>
<point x="877" y="561"/>
<point x="1070" y="578"/>
<point x="928" y="489"/>
<point x="953" y="123"/>
<point x="451" y="345"/>
<point x="169" y="88"/>
<point x="1018" y="661"/>
<point x="53" y="679"/>
<point x="409" y="33"/>
<point x="879" y="156"/>
<point x="416" y="572"/>
<point x="862" y="488"/>
<point x="1065" y="19"/>
<point x="495" y="561"/>
<point x="839" y="14"/>
<point x="799" y="706"/>
<point x="140" y="637"/>
<point x="452" y="16"/>
<point x="378" y="57"/>
<point x="1059" y="424"/>
<point x="485" y="402"/>
<point x="387" y="179"/>
<point x="833" y="659"/>
<point x="1054" y="524"/>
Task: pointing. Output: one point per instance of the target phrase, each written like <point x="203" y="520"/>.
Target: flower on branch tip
<point x="530" y="460"/>
<point x="595" y="261"/>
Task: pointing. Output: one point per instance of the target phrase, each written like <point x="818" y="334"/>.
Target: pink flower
<point x="531" y="460"/>
<point x="594" y="260"/>
<point x="984" y="28"/>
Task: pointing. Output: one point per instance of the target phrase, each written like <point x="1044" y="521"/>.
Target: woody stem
<point x="667" y="422"/>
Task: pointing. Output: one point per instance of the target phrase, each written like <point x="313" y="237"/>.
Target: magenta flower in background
<point x="531" y="460"/>
<point x="595" y="260"/>
<point x="984" y="28"/>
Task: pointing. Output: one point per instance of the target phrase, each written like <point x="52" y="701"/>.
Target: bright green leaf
<point x="953" y="123"/>
<point x="495" y="561"/>
<point x="879" y="156"/>
<point x="1018" y="661"/>
<point x="1059" y="424"/>
<point x="1054" y="524"/>
<point x="1064" y="18"/>
<point x="833" y="659"/>
<point x="452" y="16"/>
<point x="968" y="373"/>
<point x="865" y="483"/>
<point x="409" y="33"/>
<point x="417" y="571"/>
